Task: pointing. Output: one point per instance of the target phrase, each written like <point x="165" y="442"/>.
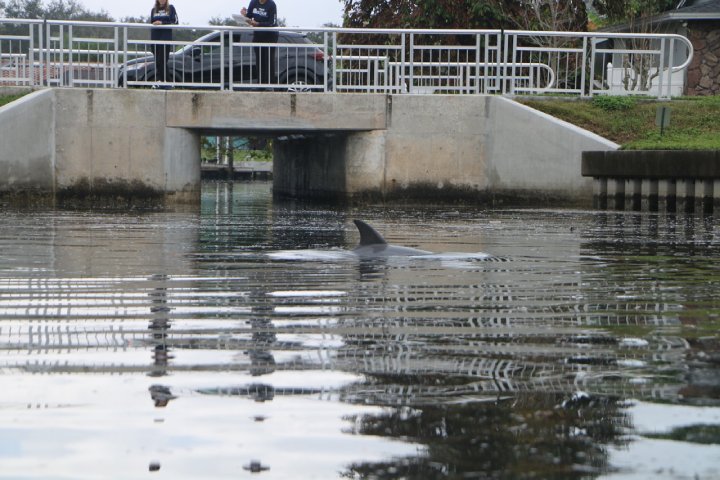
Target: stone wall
<point x="704" y="71"/>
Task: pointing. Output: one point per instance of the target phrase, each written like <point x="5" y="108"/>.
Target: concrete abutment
<point x="471" y="148"/>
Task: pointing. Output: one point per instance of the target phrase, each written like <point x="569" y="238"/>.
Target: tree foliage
<point x="547" y="15"/>
<point x="55" y="10"/>
<point x="622" y="11"/>
<point x="474" y="14"/>
<point x="420" y="14"/>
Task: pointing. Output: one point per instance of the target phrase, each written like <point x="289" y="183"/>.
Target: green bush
<point x="612" y="104"/>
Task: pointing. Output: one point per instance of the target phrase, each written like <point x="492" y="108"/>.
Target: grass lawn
<point x="5" y="99"/>
<point x="630" y="122"/>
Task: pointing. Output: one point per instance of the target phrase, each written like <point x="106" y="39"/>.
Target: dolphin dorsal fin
<point x="368" y="235"/>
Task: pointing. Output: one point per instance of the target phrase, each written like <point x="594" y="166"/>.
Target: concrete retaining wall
<point x="78" y="143"/>
<point x="534" y="154"/>
<point x="655" y="180"/>
<point x="27" y="144"/>
<point x="85" y="142"/>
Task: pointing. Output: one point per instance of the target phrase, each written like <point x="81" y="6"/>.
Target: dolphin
<point x="373" y="245"/>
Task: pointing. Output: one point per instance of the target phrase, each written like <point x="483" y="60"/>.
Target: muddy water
<point x="244" y="340"/>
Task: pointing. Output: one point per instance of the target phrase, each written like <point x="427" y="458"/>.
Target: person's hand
<point x="254" y="23"/>
<point x="157" y="22"/>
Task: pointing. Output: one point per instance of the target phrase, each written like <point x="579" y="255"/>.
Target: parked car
<point x="299" y="63"/>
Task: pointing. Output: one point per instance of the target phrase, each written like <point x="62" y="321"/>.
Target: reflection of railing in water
<point x="389" y="394"/>
<point x="492" y="348"/>
<point x="582" y="368"/>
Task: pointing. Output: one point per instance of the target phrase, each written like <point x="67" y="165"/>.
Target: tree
<point x="637" y="13"/>
<point x="546" y="15"/>
<point x="23" y="9"/>
<point x="565" y="15"/>
<point x="318" y="37"/>
<point x="55" y="10"/>
<point x="421" y="14"/>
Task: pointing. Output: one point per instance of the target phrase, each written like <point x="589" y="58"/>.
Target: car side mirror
<point x="196" y="52"/>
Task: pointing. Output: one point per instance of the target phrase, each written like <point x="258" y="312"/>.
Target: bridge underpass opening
<point x="300" y="163"/>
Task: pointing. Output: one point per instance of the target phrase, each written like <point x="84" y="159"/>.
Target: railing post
<point x="411" y="78"/>
<point x="61" y="54"/>
<point x="477" y="63"/>
<point x="46" y="65"/>
<point x="502" y="62"/>
<point x="514" y="58"/>
<point x="222" y="64"/>
<point x="114" y="57"/>
<point x="231" y="65"/>
<point x="591" y="84"/>
<point x="325" y="62"/>
<point x="71" y="73"/>
<point x="661" y="68"/>
<point x="583" y="65"/>
<point x="403" y="43"/>
<point x="336" y="52"/>
<point x="125" y="56"/>
<point x="31" y="52"/>
<point x="671" y="63"/>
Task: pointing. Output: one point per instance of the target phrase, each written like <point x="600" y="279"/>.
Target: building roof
<point x="693" y="10"/>
<point x="698" y="10"/>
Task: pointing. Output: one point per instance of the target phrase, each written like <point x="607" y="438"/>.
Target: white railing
<point x="120" y="55"/>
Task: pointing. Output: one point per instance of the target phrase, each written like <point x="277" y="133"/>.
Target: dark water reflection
<point x="243" y="340"/>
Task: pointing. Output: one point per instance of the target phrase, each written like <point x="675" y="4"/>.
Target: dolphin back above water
<point x="372" y="244"/>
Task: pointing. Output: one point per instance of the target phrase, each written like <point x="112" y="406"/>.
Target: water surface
<point x="243" y="339"/>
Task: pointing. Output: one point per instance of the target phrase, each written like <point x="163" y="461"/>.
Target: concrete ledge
<point x="652" y="164"/>
<point x="273" y="112"/>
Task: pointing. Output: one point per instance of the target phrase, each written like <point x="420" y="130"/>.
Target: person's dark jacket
<point x="167" y="16"/>
<point x="266" y="16"/>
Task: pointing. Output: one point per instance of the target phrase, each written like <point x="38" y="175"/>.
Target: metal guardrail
<point x="119" y="55"/>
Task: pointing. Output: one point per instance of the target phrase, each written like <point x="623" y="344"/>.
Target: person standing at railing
<point x="263" y="13"/>
<point x="162" y="14"/>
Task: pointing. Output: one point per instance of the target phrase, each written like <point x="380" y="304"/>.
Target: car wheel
<point x="300" y="83"/>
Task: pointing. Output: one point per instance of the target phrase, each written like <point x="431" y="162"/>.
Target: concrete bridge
<point x="86" y="143"/>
